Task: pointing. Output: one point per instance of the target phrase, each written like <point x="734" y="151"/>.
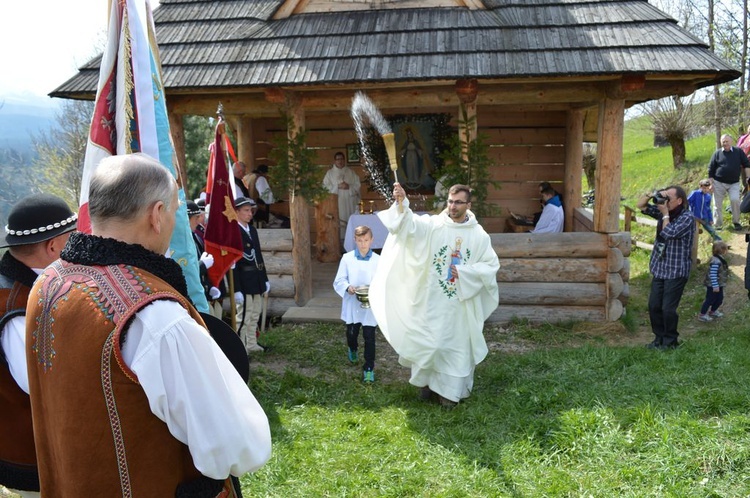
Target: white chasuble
<point x="434" y="322"/>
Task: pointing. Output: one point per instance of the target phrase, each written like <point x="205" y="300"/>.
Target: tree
<point x="61" y="151"/>
<point x="673" y="119"/>
<point x="199" y="134"/>
<point x="466" y="161"/>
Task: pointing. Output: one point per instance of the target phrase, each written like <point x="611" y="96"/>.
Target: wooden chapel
<point x="539" y="77"/>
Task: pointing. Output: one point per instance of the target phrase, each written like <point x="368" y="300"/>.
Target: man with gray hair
<point x="725" y="171"/>
<point x="129" y="393"/>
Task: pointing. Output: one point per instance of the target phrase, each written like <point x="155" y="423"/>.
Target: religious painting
<point x="352" y="154"/>
<point x="420" y="141"/>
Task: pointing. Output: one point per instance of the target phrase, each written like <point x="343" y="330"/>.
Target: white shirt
<point x="264" y="190"/>
<point x="193" y="388"/>
<point x="551" y="220"/>
<point x="14" y="345"/>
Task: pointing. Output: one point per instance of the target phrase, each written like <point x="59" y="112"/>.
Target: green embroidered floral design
<point x="441" y="261"/>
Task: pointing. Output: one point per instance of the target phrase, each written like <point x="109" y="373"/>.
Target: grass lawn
<point x="577" y="409"/>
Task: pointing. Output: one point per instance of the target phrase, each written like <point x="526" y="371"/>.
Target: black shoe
<point x="671" y="345"/>
<point x="446" y="403"/>
<point x="653" y="345"/>
<point x="427" y="394"/>
<point x="737" y="226"/>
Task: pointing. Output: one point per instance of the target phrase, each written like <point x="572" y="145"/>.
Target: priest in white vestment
<point x="344" y="182"/>
<point x="436" y="285"/>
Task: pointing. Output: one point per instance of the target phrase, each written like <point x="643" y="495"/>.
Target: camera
<point x="659" y="198"/>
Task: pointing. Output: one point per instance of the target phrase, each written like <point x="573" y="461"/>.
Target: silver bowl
<point x="362" y="293"/>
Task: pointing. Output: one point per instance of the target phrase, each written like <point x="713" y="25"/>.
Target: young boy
<point x="357" y="268"/>
<point x="715" y="281"/>
<point x="700" y="204"/>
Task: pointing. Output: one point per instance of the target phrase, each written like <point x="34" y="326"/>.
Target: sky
<point x="45" y="41"/>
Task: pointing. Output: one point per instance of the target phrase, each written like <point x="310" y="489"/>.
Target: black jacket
<point x="250" y="271"/>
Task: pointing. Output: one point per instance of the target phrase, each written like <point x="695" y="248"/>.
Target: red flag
<point x="210" y="176"/>
<point x="223" y="239"/>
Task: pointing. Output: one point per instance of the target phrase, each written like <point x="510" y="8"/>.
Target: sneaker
<point x="737" y="226"/>
<point x="715" y="314"/>
<point x="705" y="318"/>
<point x="369" y="376"/>
<point x="352" y="355"/>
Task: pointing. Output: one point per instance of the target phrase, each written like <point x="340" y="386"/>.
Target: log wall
<point x="562" y="276"/>
<point x="276" y="244"/>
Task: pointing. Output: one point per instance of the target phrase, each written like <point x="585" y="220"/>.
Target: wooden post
<point x="177" y="130"/>
<point x="609" y="165"/>
<point x="694" y="249"/>
<point x="299" y="213"/>
<point x="245" y="152"/>
<point x="573" y="165"/>
<point x="327" y="243"/>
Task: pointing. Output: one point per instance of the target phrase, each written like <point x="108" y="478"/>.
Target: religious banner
<point x="130" y="115"/>
<point x="223" y="239"/>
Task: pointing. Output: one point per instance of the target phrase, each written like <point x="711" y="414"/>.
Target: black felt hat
<point x="193" y="208"/>
<point x="37" y="218"/>
<point x="241" y="201"/>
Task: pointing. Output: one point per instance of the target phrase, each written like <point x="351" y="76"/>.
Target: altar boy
<point x="356" y="269"/>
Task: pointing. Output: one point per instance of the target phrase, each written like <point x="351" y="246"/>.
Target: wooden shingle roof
<point x="236" y="43"/>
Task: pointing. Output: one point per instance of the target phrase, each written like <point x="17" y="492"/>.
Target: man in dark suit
<point x="250" y="279"/>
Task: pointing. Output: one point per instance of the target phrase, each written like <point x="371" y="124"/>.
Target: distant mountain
<point x="22" y="116"/>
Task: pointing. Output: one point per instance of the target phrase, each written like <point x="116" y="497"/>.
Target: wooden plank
<point x="552" y="293"/>
<point x="518" y="190"/>
<point x="524" y="136"/>
<point x="585" y="270"/>
<point x="547" y="314"/>
<point x="522" y="154"/>
<point x="551" y="245"/>
<point x="497" y="116"/>
<point x="528" y="173"/>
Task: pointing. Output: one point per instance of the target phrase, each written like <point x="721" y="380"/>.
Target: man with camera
<point x="725" y="171"/>
<point x="670" y="261"/>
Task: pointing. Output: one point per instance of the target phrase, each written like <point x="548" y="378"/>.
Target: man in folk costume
<point x="250" y="279"/>
<point x="130" y="395"/>
<point x="344" y="182"/>
<point x="37" y="230"/>
<point x="436" y="285"/>
<point x="196" y="215"/>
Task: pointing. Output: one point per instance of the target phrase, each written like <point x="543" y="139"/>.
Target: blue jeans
<point x="662" y="309"/>
<point x="710" y="229"/>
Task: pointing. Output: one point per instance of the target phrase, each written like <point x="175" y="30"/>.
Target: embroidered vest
<point x="17" y="455"/>
<point x="96" y="435"/>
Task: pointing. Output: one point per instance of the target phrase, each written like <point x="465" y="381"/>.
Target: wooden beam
<point x="573" y="165"/>
<point x="245" y="142"/>
<point x="269" y="102"/>
<point x="609" y="166"/>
